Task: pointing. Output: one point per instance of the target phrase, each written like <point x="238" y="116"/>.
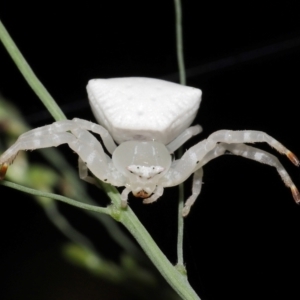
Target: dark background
<point x="242" y="235"/>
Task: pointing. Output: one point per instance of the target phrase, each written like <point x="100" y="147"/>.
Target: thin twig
<point x="64" y="199"/>
<point x="179" y="44"/>
<point x="29" y="75"/>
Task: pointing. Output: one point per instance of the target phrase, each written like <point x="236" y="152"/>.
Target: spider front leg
<point x="124" y="197"/>
<point x="247" y="136"/>
<point x="183" y="137"/>
<point x="91" y="154"/>
<point x="156" y="194"/>
<point x="80" y="140"/>
<point x="53" y="135"/>
<point x="216" y="145"/>
<point x="108" y="141"/>
<point x="84" y="174"/>
<point x="200" y="152"/>
<point x="265" y="158"/>
<point x="43" y="137"/>
<point x="257" y="155"/>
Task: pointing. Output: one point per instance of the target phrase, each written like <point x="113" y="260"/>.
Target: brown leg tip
<point x="296" y="194"/>
<point x="293" y="158"/>
<point x="3" y="169"/>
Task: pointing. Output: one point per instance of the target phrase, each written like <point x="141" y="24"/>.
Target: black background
<point x="242" y="235"/>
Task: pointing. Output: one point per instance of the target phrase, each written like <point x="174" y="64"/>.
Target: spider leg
<point x="124" y="197"/>
<point x="35" y="140"/>
<point x="246" y="136"/>
<point x="183" y="137"/>
<point x="97" y="161"/>
<point x="217" y="143"/>
<point x="192" y="158"/>
<point x="104" y="134"/>
<point x="265" y="158"/>
<point x="254" y="154"/>
<point x="31" y="143"/>
<point x="81" y="141"/>
<point x="83" y="172"/>
<point x="54" y="135"/>
<point x="156" y="194"/>
<point x="196" y="190"/>
<point x="244" y="151"/>
<point x="198" y="175"/>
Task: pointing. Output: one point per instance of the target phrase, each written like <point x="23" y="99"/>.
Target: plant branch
<point x="29" y="75"/>
<point x="56" y="197"/>
<point x="182" y="76"/>
<point x="179" y="42"/>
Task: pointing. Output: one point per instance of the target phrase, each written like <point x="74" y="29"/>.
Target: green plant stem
<point x="29" y="76"/>
<point x="174" y="277"/>
<point x="66" y="228"/>
<point x="182" y="77"/>
<point x="56" y="197"/>
<point x="179" y="42"/>
<point x="180" y="220"/>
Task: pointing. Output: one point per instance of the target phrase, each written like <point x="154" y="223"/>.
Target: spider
<point x="149" y="119"/>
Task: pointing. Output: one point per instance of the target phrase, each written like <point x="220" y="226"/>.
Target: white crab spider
<point x="149" y="119"/>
